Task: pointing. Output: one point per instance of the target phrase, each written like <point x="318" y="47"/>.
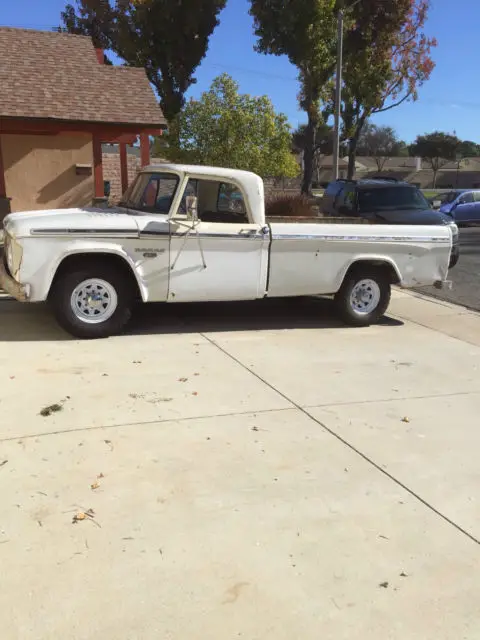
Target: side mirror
<point x="192" y="207"/>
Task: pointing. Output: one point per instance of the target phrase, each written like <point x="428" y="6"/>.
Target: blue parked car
<point x="463" y="206"/>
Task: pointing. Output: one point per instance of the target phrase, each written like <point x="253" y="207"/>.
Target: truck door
<point x="217" y="252"/>
<point x="151" y="198"/>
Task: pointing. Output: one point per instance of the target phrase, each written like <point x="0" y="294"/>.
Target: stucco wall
<point x="40" y="170"/>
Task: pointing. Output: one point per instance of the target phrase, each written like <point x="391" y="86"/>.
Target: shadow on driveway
<point x="25" y="322"/>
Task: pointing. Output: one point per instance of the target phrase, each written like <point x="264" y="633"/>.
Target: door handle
<point x="249" y="232"/>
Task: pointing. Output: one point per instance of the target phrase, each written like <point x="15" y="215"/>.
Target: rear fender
<point x="372" y="260"/>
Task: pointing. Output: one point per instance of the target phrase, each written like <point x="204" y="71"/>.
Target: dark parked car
<point x="385" y="201"/>
<point x="463" y="206"/>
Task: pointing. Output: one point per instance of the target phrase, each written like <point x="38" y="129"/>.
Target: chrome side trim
<point x="329" y="238"/>
<point x="238" y="236"/>
<point x="126" y="233"/>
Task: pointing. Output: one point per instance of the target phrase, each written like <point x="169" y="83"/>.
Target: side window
<point x="230" y="204"/>
<point x="154" y="192"/>
<point x="190" y="190"/>
<point x="466" y="198"/>
<point x="476" y="196"/>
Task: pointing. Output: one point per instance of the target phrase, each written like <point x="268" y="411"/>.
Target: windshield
<point x="391" y="198"/>
<point x="151" y="192"/>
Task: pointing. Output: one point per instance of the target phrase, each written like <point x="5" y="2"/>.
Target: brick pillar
<point x="123" y="166"/>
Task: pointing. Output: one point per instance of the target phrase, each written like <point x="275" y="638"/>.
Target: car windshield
<point x="391" y="198"/>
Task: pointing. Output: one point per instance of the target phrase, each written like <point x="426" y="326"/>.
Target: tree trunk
<point x="352" y="156"/>
<point x="435" y="171"/>
<point x="309" y="153"/>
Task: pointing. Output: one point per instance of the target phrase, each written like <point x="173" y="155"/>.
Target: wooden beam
<point x="104" y="129"/>
<point x="128" y="138"/>
<point x="98" y="167"/>
<point x="123" y="166"/>
<point x="144" y="149"/>
<point x="3" y="189"/>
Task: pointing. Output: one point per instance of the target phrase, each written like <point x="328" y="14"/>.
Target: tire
<point x="374" y="284"/>
<point x="106" y="314"/>
<point x="453" y="260"/>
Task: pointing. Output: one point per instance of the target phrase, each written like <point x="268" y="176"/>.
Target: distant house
<point x="58" y="104"/>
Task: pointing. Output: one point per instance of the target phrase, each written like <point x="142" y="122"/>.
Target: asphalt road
<point x="466" y="275"/>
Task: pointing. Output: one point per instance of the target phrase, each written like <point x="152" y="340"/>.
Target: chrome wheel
<point x="94" y="301"/>
<point x="365" y="296"/>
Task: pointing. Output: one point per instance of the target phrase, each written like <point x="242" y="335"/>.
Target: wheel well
<point x="79" y="260"/>
<point x="387" y="268"/>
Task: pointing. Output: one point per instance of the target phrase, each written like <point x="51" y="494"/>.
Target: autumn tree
<point x="380" y="143"/>
<point x="437" y="149"/>
<point x="305" y="32"/>
<point x="167" y="37"/>
<point x="228" y="129"/>
<point x="387" y="59"/>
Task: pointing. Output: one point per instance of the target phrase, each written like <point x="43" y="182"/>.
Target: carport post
<point x="144" y="149"/>
<point x="4" y="201"/>
<point x="99" y="199"/>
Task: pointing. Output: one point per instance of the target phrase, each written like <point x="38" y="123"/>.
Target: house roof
<point x="56" y="76"/>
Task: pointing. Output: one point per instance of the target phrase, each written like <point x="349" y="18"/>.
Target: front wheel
<point x="92" y="301"/>
<point x="363" y="297"/>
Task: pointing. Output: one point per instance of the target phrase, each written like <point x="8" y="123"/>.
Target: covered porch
<point x="98" y="133"/>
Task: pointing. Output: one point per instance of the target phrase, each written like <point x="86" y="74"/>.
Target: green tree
<point x="167" y="37"/>
<point x="380" y="143"/>
<point x="323" y="144"/>
<point x="437" y="149"/>
<point x="305" y="32"/>
<point x="468" y="149"/>
<point x="227" y="129"/>
<point x="387" y="58"/>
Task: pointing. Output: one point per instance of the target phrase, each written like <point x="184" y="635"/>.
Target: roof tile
<point x="44" y="74"/>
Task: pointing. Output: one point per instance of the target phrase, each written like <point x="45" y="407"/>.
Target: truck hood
<point x="415" y="216"/>
<point x="88" y="219"/>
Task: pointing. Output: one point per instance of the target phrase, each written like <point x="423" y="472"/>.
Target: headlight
<point x="14" y="254"/>
<point x="454" y="229"/>
<point x="8" y="251"/>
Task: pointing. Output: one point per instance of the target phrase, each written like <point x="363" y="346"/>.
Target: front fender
<point x="42" y="278"/>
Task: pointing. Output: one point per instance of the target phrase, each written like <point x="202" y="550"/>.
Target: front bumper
<point x="20" y="292"/>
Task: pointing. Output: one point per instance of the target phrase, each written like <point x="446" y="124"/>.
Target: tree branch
<point x="392" y="106"/>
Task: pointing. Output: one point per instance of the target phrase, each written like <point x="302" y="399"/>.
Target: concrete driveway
<point x="254" y="471"/>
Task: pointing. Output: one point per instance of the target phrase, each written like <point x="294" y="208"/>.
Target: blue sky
<point x="450" y="101"/>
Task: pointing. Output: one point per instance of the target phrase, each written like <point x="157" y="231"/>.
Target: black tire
<point x="347" y="311"/>
<point x="453" y="260"/>
<point x="64" y="286"/>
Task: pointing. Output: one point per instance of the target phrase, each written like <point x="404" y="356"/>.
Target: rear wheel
<point x="364" y="296"/>
<point x="92" y="301"/>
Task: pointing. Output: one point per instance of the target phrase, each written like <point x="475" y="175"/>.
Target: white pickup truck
<point x="189" y="233"/>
